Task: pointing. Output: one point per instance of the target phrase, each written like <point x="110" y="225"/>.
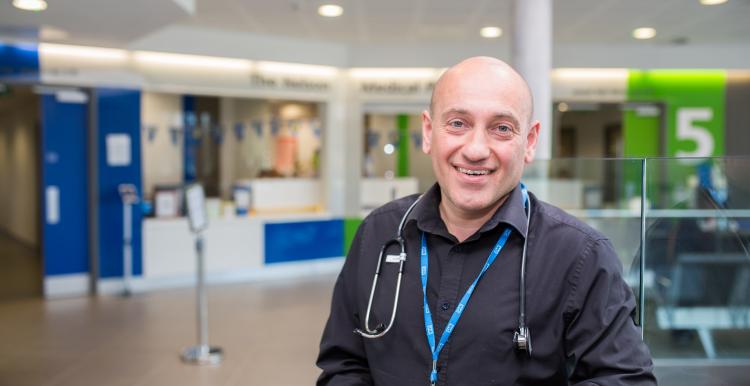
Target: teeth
<point x="473" y="172"/>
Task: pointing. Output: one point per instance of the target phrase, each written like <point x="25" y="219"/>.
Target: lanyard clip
<point x="433" y="375"/>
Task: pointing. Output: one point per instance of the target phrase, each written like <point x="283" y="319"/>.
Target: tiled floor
<point x="21" y="272"/>
<point x="269" y="331"/>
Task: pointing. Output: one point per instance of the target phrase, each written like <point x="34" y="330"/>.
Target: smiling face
<point x="479" y="135"/>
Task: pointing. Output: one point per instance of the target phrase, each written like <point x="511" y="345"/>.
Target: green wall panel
<point x="351" y="225"/>
<point x="402" y="122"/>
<point x="692" y="104"/>
<point x="694" y="113"/>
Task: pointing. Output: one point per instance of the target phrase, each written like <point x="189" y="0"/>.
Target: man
<point x="480" y="135"/>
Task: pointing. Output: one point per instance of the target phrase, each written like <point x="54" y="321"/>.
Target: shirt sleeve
<point x="342" y="355"/>
<point x="602" y="343"/>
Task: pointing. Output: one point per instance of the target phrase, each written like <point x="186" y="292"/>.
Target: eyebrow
<point x="498" y="115"/>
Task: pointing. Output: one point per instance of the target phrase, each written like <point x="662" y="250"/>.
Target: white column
<point x="532" y="57"/>
<point x="342" y="151"/>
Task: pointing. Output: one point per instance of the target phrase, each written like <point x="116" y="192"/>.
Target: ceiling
<point x="433" y="21"/>
<point x="395" y="22"/>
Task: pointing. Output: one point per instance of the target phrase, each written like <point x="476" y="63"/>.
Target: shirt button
<point x="445" y="306"/>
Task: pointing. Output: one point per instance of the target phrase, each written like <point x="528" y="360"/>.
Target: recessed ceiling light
<point x="713" y="2"/>
<point x="330" y="10"/>
<point x="30" y="5"/>
<point x="490" y="32"/>
<point x="644" y="33"/>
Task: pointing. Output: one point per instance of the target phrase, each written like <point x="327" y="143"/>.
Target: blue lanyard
<point x="428" y="325"/>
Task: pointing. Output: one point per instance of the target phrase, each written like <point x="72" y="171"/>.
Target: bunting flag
<point x="217" y="134"/>
<point x="205" y="119"/>
<point x="190" y="120"/>
<point x="174" y="134"/>
<point x="257" y="125"/>
<point x="317" y="129"/>
<point x="239" y="131"/>
<point x="151" y="131"/>
<point x="416" y="139"/>
<point x="372" y="138"/>
<point x="274" y="126"/>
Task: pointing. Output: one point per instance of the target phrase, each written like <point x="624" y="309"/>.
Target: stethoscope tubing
<point x="374" y="333"/>
<point x="522" y="338"/>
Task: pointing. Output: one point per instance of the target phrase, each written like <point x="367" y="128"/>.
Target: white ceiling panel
<point x="427" y="22"/>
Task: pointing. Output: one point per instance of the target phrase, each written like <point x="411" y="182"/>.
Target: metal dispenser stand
<point x="129" y="196"/>
<point x="202" y="353"/>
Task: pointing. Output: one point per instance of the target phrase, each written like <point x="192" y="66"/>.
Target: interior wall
<point x="19" y="165"/>
<point x="420" y="164"/>
<point x="590" y="127"/>
<point x="244" y="157"/>
<point x="382" y="128"/>
<point x="249" y="146"/>
<point x="162" y="145"/>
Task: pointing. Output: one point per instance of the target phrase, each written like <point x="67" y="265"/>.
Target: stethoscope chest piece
<point x="522" y="340"/>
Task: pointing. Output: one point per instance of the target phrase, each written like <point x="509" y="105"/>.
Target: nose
<point x="477" y="146"/>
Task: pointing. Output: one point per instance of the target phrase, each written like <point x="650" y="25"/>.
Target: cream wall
<point x="420" y="164"/>
<point x="162" y="159"/>
<point x="240" y="159"/>
<point x="19" y="165"/>
<point x="590" y="129"/>
<point x="245" y="158"/>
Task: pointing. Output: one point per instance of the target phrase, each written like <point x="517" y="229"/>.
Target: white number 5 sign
<point x="687" y="130"/>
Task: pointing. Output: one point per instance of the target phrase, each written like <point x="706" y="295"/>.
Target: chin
<point x="473" y="204"/>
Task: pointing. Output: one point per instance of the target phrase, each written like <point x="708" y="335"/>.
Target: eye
<point x="456" y="124"/>
<point x="503" y="129"/>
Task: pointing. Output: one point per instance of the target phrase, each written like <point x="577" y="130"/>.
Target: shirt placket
<point x="452" y="267"/>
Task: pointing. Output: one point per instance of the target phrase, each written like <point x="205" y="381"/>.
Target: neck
<point x="462" y="224"/>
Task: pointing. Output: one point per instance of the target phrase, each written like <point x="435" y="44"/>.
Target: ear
<point x="426" y="131"/>
<point x="531" y="139"/>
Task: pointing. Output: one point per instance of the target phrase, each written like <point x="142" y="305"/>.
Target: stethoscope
<point x="521" y="337"/>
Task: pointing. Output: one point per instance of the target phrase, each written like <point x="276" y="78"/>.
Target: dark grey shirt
<point x="579" y="310"/>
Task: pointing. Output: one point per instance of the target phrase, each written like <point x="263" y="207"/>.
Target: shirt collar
<point x="427" y="214"/>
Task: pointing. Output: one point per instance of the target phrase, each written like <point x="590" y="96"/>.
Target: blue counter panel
<point x="306" y="240"/>
<point x="119" y="113"/>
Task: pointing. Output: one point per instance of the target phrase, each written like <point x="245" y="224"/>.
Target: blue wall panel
<point x="19" y="61"/>
<point x="303" y="240"/>
<point x="64" y="167"/>
<point x="118" y="112"/>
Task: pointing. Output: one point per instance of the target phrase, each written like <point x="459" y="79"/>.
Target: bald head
<point x="493" y="70"/>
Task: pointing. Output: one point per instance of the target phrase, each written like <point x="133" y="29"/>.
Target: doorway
<point x="20" y="181"/>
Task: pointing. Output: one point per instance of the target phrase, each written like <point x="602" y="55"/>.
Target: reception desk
<point x="242" y="247"/>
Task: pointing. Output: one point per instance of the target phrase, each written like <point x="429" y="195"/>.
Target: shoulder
<point x="390" y="212"/>
<point x="554" y="219"/>
<point x="571" y="241"/>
